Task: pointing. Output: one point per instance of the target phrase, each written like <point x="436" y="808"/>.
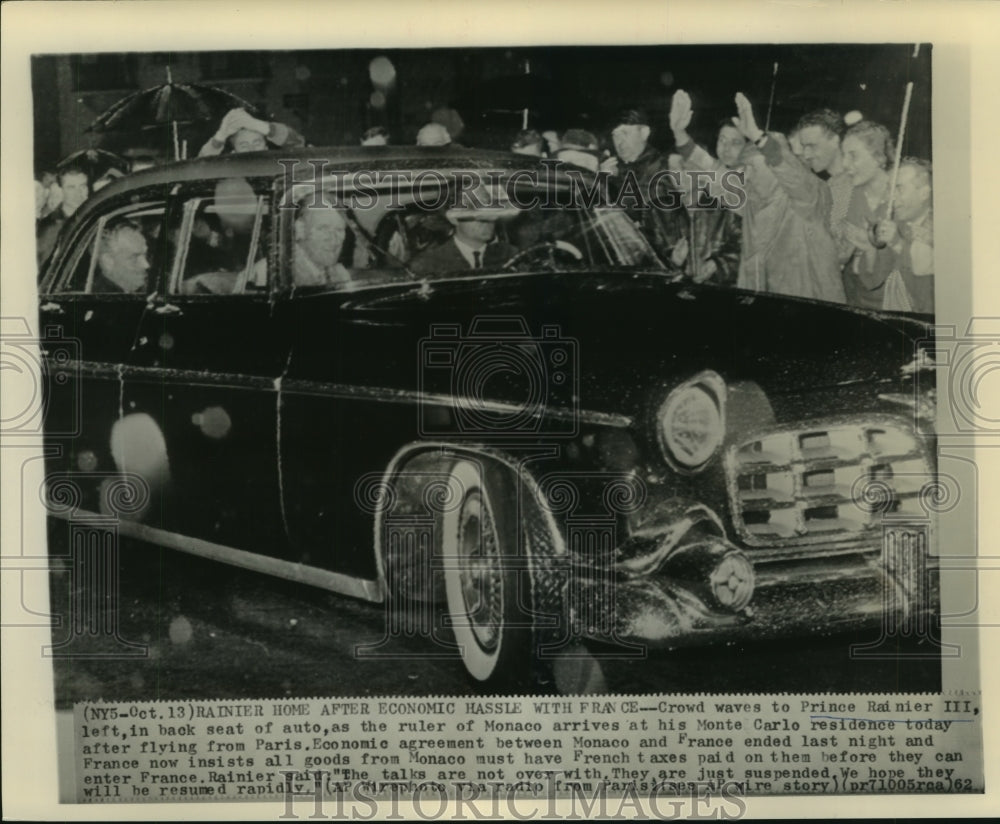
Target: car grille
<point x="829" y="482"/>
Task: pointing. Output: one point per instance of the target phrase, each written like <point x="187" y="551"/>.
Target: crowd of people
<point x="827" y="213"/>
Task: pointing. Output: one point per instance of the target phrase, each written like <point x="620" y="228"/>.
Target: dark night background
<point x="328" y="95"/>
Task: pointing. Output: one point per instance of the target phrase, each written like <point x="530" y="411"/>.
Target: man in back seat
<point x="320" y="231"/>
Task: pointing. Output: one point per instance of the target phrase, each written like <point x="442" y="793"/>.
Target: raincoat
<point x="787" y="247"/>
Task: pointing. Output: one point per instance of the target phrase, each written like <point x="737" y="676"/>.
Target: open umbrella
<point x="170" y="103"/>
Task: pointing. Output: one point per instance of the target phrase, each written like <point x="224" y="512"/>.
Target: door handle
<point x="51" y="308"/>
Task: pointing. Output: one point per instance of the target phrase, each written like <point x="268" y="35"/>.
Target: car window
<point x="416" y="234"/>
<point x="121" y="253"/>
<point x="223" y="241"/>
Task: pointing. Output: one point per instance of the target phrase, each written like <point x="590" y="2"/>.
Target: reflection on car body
<point x="565" y="441"/>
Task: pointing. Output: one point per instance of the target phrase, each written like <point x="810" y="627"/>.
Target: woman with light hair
<point x="867" y="152"/>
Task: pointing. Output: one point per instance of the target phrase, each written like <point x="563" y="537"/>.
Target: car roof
<point x="262" y="164"/>
<point x="276" y="162"/>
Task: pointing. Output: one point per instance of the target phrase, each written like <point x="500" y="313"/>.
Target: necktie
<point x="477" y="259"/>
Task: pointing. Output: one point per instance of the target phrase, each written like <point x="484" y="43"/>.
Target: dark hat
<point x="631" y="117"/>
<point x="579" y="139"/>
<point x="375" y="131"/>
<point x="526" y="138"/>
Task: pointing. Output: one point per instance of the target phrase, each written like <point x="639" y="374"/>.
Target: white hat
<point x="482" y="203"/>
<point x="433" y="134"/>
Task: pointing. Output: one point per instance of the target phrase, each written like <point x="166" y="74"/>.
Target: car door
<point x="341" y="418"/>
<point x="205" y="367"/>
<point x="89" y="329"/>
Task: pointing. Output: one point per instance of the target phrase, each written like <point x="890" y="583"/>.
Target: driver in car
<point x="473" y="244"/>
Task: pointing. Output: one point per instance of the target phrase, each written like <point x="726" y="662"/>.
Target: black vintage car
<point x="287" y="363"/>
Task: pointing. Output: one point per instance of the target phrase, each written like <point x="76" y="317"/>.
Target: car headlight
<point x="690" y="423"/>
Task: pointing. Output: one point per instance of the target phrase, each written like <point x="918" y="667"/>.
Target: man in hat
<point x="579" y="147"/>
<point x="375" y="136"/>
<point x="528" y="142"/>
<point x="638" y="169"/>
<point x="473" y="244"/>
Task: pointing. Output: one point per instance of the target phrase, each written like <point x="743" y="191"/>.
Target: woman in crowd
<point x="867" y="149"/>
<point x="243" y="132"/>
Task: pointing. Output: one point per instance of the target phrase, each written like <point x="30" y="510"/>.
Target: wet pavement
<point x="189" y="628"/>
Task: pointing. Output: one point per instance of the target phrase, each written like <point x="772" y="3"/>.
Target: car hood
<point x="632" y="331"/>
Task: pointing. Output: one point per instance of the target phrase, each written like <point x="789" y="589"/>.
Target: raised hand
<point x="707" y="269"/>
<point x="858" y="237"/>
<point x="245" y="120"/>
<point x="679" y="253"/>
<point x="680" y="112"/>
<point x="886" y="232"/>
<point x="230" y="124"/>
<point x="744" y="121"/>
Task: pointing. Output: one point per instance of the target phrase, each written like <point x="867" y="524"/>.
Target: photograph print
<point x="459" y="371"/>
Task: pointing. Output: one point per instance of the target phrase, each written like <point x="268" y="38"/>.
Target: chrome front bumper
<point x="664" y="605"/>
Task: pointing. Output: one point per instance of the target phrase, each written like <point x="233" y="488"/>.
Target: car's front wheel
<point x="487" y="582"/>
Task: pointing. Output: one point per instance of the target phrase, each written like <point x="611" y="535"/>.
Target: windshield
<point x="465" y="224"/>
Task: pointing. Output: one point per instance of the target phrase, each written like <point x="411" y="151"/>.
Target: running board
<point x="300" y="573"/>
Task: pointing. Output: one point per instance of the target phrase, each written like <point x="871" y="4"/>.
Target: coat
<point x="787" y="247"/>
<point x="446" y="257"/>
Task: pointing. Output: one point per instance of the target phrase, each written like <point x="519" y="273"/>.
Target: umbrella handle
<point x="899" y="149"/>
